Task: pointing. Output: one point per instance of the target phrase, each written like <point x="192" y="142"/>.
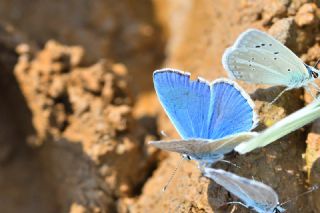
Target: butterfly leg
<point x="281" y="93"/>
<point x="316" y="87"/>
<point x="307" y="88"/>
<point x="238" y="203"/>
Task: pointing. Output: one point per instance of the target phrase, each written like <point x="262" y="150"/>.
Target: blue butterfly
<point x="212" y="118"/>
<point x="254" y="194"/>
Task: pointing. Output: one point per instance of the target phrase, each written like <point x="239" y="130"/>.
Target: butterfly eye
<point x="314" y="74"/>
<point x="186" y="157"/>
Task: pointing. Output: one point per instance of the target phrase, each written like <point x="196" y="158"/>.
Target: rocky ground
<point x="78" y="105"/>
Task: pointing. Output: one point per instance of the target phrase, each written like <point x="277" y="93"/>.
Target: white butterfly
<point x="256" y="195"/>
<point x="256" y="57"/>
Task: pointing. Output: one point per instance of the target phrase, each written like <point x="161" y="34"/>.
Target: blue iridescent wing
<point x="231" y="110"/>
<point x="185" y="102"/>
<point x="199" y="109"/>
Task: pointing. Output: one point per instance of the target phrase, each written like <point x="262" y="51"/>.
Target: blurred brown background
<point x="78" y="106"/>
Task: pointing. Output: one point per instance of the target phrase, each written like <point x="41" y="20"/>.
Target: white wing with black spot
<point x="257" y="57"/>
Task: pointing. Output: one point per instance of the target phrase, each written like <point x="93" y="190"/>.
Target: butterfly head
<point x="186" y="157"/>
<point x="314" y="72"/>
<point x="279" y="209"/>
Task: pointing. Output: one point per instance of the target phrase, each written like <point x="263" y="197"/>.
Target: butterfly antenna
<point x="317" y="63"/>
<point x="313" y="188"/>
<point x="173" y="174"/>
<point x="233" y="164"/>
